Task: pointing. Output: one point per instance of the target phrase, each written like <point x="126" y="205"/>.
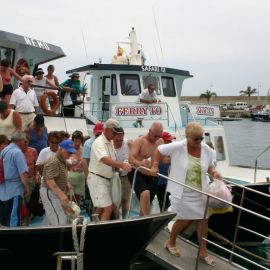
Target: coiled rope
<point x="78" y="246"/>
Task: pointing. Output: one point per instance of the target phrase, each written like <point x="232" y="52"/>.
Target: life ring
<point x="55" y="105"/>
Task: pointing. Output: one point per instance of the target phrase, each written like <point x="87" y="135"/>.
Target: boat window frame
<point x="158" y="89"/>
<point x="122" y="86"/>
<point x="165" y="93"/>
<point x="11" y="61"/>
<point x="114" y="92"/>
<point x="219" y="148"/>
<point x="104" y="84"/>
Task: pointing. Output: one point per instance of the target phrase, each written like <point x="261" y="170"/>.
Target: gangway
<point x="187" y="261"/>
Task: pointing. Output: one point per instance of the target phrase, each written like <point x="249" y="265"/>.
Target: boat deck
<point x="187" y="261"/>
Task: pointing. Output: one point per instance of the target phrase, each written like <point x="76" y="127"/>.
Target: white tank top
<point x="122" y="154"/>
<point x="6" y="126"/>
<point x="53" y="82"/>
<point x="40" y="91"/>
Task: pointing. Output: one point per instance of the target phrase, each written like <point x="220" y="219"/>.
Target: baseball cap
<point x="166" y="136"/>
<point x="114" y="124"/>
<point x="68" y="145"/>
<point x="99" y="128"/>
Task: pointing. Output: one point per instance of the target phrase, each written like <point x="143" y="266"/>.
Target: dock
<point x="157" y="253"/>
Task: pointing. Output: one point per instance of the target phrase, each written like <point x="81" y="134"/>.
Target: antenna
<point x="159" y="41"/>
<point x="84" y="46"/>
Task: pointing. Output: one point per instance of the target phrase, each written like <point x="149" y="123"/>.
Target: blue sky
<point x="223" y="43"/>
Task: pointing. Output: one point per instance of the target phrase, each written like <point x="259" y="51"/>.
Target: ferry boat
<point x="112" y="93"/>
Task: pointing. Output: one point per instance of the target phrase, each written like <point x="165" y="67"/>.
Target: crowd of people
<point x="26" y="92"/>
<point x="64" y="164"/>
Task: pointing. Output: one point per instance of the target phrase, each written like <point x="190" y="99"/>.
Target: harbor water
<point x="246" y="139"/>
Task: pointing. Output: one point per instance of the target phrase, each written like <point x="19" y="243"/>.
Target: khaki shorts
<point x="126" y="187"/>
<point x="100" y="190"/>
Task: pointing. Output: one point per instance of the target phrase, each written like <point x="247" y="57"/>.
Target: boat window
<point x="7" y="53"/>
<point x="151" y="80"/>
<point x="168" y="86"/>
<point x="130" y="85"/>
<point x="106" y="85"/>
<point x="114" y="85"/>
<point x="219" y="147"/>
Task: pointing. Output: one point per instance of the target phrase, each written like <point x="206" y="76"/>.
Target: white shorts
<point x="100" y="190"/>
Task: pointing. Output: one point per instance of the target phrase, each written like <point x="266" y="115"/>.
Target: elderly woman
<point x="191" y="159"/>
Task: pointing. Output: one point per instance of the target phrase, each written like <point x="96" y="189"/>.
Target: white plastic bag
<point x="218" y="189"/>
<point x="116" y="190"/>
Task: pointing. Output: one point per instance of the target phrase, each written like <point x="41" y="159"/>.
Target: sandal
<point x="173" y="250"/>
<point x="208" y="260"/>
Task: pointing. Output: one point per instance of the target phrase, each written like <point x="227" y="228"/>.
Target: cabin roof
<point x="14" y="40"/>
<point x="138" y="68"/>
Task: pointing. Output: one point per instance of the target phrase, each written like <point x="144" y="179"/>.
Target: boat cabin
<point x="26" y="53"/>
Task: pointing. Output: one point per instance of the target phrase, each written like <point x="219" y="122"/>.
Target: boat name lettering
<point x="205" y="111"/>
<point x="119" y="111"/>
<point x="155" y="110"/>
<point x="153" y="69"/>
<point x="36" y="43"/>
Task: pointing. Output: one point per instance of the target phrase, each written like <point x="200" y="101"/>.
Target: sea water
<point x="246" y="139"/>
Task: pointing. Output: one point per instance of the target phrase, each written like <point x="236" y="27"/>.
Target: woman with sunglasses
<point x="191" y="160"/>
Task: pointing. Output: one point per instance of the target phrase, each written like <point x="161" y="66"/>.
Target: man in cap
<point x="55" y="187"/>
<point x="16" y="181"/>
<point x="24" y="100"/>
<point x="102" y="168"/>
<point x="71" y="91"/>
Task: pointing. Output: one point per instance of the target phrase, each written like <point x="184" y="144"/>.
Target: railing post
<point x="201" y="237"/>
<point x="237" y="223"/>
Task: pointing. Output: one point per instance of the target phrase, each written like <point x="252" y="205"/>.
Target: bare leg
<point x="145" y="203"/>
<point x="202" y="230"/>
<point x="106" y="213"/>
<point x="178" y="228"/>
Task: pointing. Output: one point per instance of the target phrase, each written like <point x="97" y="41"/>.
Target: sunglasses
<point x="54" y="142"/>
<point x="198" y="139"/>
<point x="70" y="153"/>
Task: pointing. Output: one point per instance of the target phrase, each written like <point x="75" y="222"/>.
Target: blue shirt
<point x="87" y="147"/>
<point x="163" y="168"/>
<point x="37" y="142"/>
<point x="14" y="165"/>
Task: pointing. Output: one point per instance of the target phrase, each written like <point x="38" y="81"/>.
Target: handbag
<point x="116" y="190"/>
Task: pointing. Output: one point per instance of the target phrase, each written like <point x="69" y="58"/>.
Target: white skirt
<point x="191" y="206"/>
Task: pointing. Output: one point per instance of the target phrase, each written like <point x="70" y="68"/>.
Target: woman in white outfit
<point x="191" y="159"/>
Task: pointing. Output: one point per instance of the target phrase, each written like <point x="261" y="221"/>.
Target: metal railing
<point x="239" y="207"/>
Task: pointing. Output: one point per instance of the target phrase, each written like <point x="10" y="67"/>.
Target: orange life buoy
<point x="55" y="105"/>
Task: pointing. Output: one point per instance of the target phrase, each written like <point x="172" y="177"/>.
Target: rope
<point x="222" y="238"/>
<point x="78" y="247"/>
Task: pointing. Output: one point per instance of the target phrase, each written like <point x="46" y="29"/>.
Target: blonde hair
<point x="194" y="128"/>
